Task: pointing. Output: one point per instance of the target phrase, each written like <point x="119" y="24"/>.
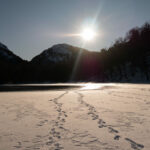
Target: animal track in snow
<point x="101" y="123"/>
<point x="57" y="131"/>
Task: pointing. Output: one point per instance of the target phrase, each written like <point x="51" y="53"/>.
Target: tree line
<point x="128" y="56"/>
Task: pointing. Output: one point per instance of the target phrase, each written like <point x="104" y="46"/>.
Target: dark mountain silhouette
<point x="9" y="65"/>
<point x="56" y="54"/>
<point x="62" y="63"/>
<point x="7" y="56"/>
<point x="127" y="60"/>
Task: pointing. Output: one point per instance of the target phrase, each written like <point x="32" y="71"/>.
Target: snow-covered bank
<point x="109" y="116"/>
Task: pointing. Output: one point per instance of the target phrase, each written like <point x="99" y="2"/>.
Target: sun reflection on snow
<point x="91" y="86"/>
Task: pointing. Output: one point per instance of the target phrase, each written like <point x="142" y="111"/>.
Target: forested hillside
<point x="127" y="60"/>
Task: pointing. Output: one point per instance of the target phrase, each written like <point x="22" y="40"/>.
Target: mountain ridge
<point x="7" y="55"/>
<point x="57" y="50"/>
<point x="127" y="60"/>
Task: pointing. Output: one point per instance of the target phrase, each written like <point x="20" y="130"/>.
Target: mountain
<point x="55" y="64"/>
<point x="7" y="56"/>
<point x="127" y="60"/>
<point x="63" y="62"/>
<point x="10" y="65"/>
<point x="57" y="54"/>
<point x="3" y="46"/>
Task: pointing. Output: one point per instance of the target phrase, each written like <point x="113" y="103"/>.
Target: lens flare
<point x="88" y="34"/>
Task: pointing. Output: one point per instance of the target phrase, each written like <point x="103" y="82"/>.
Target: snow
<point x="90" y="117"/>
<point x="61" y="49"/>
<point x="57" y="53"/>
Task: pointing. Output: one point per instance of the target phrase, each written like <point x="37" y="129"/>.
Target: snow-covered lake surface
<point x="75" y="117"/>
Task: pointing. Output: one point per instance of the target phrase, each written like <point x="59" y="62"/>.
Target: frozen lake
<point x="75" y="117"/>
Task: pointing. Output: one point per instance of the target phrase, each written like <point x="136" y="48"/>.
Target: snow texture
<point x="92" y="117"/>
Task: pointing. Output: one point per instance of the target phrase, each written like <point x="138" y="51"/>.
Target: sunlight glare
<point x="88" y="34"/>
<point x="91" y="86"/>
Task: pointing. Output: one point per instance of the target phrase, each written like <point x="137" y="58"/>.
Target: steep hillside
<point x="57" y="54"/>
<point x="63" y="62"/>
<point x="10" y="65"/>
<point x="127" y="60"/>
<point x="7" y="56"/>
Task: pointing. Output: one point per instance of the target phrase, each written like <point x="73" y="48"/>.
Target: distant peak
<point x="3" y="46"/>
<point x="61" y="45"/>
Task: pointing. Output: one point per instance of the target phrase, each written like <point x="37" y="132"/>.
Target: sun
<point x="88" y="34"/>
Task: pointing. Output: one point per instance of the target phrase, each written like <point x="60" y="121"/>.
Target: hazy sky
<point x="28" y="27"/>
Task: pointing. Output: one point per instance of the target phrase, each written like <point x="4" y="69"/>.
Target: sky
<point x="27" y="27"/>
